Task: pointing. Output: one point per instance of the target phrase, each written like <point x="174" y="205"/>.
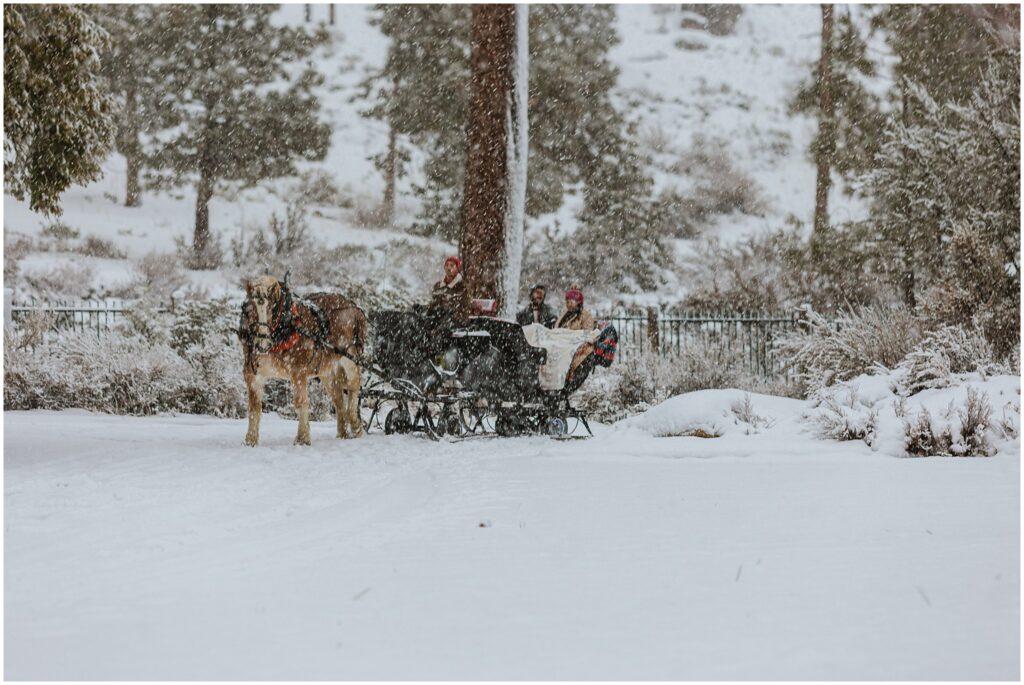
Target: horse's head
<point x="263" y="301"/>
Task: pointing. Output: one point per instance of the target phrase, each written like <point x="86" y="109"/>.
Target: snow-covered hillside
<point x="733" y="90"/>
<point x="160" y="548"/>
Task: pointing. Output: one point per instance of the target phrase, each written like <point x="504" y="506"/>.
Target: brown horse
<point x="300" y="339"/>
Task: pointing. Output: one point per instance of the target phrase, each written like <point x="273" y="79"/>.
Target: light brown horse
<point x="301" y="339"/>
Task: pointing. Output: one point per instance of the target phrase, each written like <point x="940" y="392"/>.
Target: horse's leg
<point x="337" y="389"/>
<point x="254" y="385"/>
<point x="352" y="385"/>
<point x="300" y="388"/>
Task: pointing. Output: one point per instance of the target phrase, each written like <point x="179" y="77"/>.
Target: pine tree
<point x="57" y="119"/>
<point x="850" y="119"/>
<point x="952" y="171"/>
<point x="941" y="48"/>
<point x="238" y="102"/>
<point x="578" y="140"/>
<point x="131" y="67"/>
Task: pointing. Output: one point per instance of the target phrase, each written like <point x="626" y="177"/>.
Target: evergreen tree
<point x="57" y="119"/>
<point x="579" y="142"/>
<point x="422" y="93"/>
<point x="941" y="48"/>
<point x="953" y="171"/>
<point x="131" y="67"/>
<point x="849" y="134"/>
<point x="237" y="104"/>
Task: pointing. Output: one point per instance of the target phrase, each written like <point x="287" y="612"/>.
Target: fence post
<point x="653" y="334"/>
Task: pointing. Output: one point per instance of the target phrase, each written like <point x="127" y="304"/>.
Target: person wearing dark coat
<point x="537" y="311"/>
<point x="449" y="295"/>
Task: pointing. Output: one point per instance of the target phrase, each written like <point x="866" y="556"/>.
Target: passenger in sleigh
<point x="537" y="311"/>
<point x="575" y="317"/>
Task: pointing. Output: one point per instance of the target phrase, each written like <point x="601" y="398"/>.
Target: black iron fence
<point x="80" y="315"/>
<point x="748" y="337"/>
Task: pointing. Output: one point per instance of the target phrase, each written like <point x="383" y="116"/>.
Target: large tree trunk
<point x="826" y="124"/>
<point x="390" y="169"/>
<point x="491" y="222"/>
<point x="387" y="213"/>
<point x="204" y="191"/>
<point x="132" y="194"/>
<point x="132" y="154"/>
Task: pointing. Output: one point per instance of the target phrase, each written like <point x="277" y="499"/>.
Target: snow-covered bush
<point x="152" y="363"/>
<point x="720" y="187"/>
<point x="962" y="433"/>
<point x="318" y="187"/>
<point x="644" y="380"/>
<point x="64" y="280"/>
<point x="844" y="418"/>
<point x="94" y="246"/>
<point x="974" y="287"/>
<point x="744" y="412"/>
<point x="718" y="20"/>
<point x="781" y="269"/>
<point x="856" y="342"/>
<point x="944" y="352"/>
<point x="58" y="230"/>
<point x="158" y="276"/>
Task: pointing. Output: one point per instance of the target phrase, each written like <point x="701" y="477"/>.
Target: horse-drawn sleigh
<point x="423" y="371"/>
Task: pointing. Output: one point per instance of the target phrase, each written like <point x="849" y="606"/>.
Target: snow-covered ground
<point x="160" y="548"/>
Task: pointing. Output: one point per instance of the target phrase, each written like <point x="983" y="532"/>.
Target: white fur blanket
<point x="561" y="345"/>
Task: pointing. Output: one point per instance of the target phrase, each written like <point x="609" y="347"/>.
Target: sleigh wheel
<point x="398" y="420"/>
<point x="556" y="427"/>
<point x="450" y="424"/>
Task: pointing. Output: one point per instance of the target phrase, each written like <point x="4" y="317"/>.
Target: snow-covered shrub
<point x="944" y="352"/>
<point x="744" y="412"/>
<point x="58" y="230"/>
<point x="212" y="256"/>
<point x="974" y="286"/>
<point x="14" y="251"/>
<point x="318" y="187"/>
<point x="158" y="276"/>
<point x="781" y="269"/>
<point x="720" y="187"/>
<point x="856" y="342"/>
<point x="94" y="246"/>
<point x="64" y="280"/>
<point x="718" y="20"/>
<point x="644" y="380"/>
<point x="150" y="363"/>
<point x="844" y="418"/>
<point x="962" y="433"/>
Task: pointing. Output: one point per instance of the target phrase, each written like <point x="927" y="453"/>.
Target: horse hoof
<point x="250" y="442"/>
<point x="303" y="441"/>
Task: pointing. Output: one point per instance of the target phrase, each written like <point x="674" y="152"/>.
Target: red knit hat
<point x="574" y="294"/>
<point x="453" y="258"/>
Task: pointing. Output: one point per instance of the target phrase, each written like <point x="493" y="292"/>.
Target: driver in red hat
<point x="575" y="317"/>
<point x="450" y="292"/>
